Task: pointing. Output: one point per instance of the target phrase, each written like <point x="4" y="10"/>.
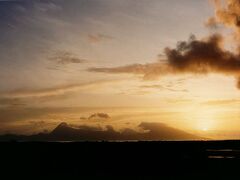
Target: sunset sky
<point x="62" y="61"/>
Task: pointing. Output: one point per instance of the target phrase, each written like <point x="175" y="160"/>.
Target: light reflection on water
<point x="221" y="157"/>
<point x="223" y="153"/>
<point x="223" y="150"/>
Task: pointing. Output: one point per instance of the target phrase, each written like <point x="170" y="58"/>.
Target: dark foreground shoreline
<point x="123" y="160"/>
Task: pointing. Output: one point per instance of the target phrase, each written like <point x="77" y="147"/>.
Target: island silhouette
<point x="64" y="132"/>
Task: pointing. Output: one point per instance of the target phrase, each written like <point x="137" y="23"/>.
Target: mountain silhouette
<point x="65" y="132"/>
<point x="62" y="130"/>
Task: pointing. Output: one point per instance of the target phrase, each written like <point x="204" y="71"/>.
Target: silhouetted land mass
<point x="25" y="156"/>
<point x="64" y="132"/>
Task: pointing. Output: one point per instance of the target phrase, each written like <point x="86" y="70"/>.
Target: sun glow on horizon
<point x="79" y="58"/>
<point x="204" y="129"/>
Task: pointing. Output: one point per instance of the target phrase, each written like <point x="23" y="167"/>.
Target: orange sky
<point x="109" y="56"/>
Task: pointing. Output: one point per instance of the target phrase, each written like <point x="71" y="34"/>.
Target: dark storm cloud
<point x="197" y="56"/>
<point x="192" y="56"/>
<point x="204" y="56"/>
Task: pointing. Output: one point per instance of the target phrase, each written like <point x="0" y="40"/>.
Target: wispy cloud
<point x="12" y="102"/>
<point x="149" y="70"/>
<point x="161" y="87"/>
<point x="96" y="38"/>
<point x="54" y="91"/>
<point x="227" y="14"/>
<point x="179" y="101"/>
<point x="223" y="102"/>
<point x="65" y="57"/>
